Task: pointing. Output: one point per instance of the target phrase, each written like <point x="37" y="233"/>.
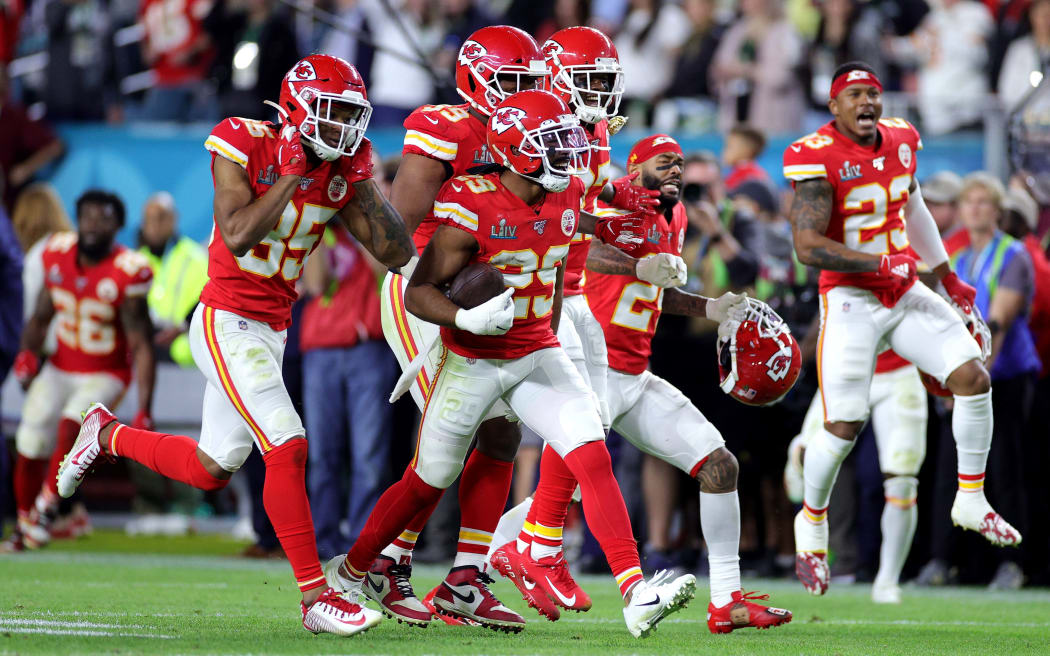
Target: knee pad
<point x="901" y="491"/>
<point x="439" y="470"/>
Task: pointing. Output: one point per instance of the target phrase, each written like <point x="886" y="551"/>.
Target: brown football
<point x="475" y="284"/>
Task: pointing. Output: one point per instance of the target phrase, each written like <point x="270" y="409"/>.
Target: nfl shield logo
<point x="242" y="324"/>
<point x="845" y="307"/>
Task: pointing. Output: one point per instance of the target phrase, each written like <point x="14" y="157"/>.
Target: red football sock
<point x="406" y="541"/>
<point x="605" y="512"/>
<point x="28" y="477"/>
<point x="391" y="514"/>
<point x="550" y="504"/>
<point x="67" y="434"/>
<point x="173" y="456"/>
<point x="284" y="497"/>
<point x="483" y="489"/>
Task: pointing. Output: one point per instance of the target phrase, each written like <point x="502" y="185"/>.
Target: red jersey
<point x="260" y="284"/>
<point x="871" y="189"/>
<point x="628" y="308"/>
<point x="173" y="27"/>
<point x="87" y="305"/>
<point x="595" y="181"/>
<point x="527" y="245"/>
<point x="447" y="133"/>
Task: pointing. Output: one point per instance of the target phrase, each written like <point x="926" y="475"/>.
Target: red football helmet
<point x="495" y="54"/>
<point x="759" y="362"/>
<point x="979" y="329"/>
<point x="316" y="86"/>
<point x="577" y="58"/>
<point x="534" y="134"/>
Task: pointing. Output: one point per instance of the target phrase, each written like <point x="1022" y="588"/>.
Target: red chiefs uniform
<point x="87" y="303"/>
<point x="447" y="133"/>
<point x="527" y="245"/>
<point x="260" y="284"/>
<point x="628" y="308"/>
<point x="595" y="181"/>
<point x="172" y="27"/>
<point x="871" y="189"/>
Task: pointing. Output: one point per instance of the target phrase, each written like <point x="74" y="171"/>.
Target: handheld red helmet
<point x="579" y="58"/>
<point x="311" y="90"/>
<point x="759" y="361"/>
<point x="534" y="134"/>
<point x="979" y="329"/>
<point x="495" y="54"/>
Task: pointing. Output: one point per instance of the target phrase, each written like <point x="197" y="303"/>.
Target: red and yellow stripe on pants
<point x="404" y="332"/>
<point x="423" y="415"/>
<point x="226" y="380"/>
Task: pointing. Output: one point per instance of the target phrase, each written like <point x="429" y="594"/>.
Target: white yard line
<point x="74" y="632"/>
<point x="20" y="621"/>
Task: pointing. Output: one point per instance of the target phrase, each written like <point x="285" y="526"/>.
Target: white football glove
<point x="661" y="269"/>
<point x="493" y="317"/>
<point x="719" y="309"/>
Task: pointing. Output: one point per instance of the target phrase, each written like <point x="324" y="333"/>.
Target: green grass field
<point x="116" y="595"/>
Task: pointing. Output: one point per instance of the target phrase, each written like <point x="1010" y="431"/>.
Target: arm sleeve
<point x="922" y="231"/>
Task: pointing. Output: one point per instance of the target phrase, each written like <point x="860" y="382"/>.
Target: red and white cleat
<point x="973" y="512"/>
<point x="508" y="562"/>
<point x="743" y="612"/>
<point x="465" y="593"/>
<point x="552" y="574"/>
<point x="85" y="450"/>
<point x="811" y="560"/>
<point x="387" y="583"/>
<point x="343" y="615"/>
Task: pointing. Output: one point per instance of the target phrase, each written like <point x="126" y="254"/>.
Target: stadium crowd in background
<point x="760" y="71"/>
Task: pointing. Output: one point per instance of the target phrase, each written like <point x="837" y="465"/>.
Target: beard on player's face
<point x="94" y="245"/>
<point x="669" y="185"/>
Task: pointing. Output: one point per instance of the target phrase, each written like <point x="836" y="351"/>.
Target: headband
<point x="652" y="146"/>
<point x="855" y="76"/>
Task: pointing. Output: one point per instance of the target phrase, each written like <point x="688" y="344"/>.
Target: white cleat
<point x="85" y="449"/>
<point x="653" y="600"/>
<point x="972" y="511"/>
<point x="334" y="579"/>
<point x="811" y="554"/>
<point x="341" y="614"/>
<point x="886" y="593"/>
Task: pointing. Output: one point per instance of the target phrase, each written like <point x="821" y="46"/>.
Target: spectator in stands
<point x="255" y="46"/>
<point x="179" y="52"/>
<point x="1020" y="219"/>
<point x="26" y="146"/>
<point x="690" y="94"/>
<point x="10" y="333"/>
<point x="38" y="214"/>
<point x="648" y="44"/>
<point x="563" y="13"/>
<point x="10" y="18"/>
<point x="345" y="39"/>
<point x="941" y="191"/>
<point x="755" y="69"/>
<point x="848" y="31"/>
<point x="1027" y="59"/>
<point x="398" y="86"/>
<point x="743" y="145"/>
<point x="950" y="50"/>
<point x="730" y="239"/>
<point x="348" y="371"/>
<point x="80" y="84"/>
<point x="180" y="269"/>
<point x="1001" y="269"/>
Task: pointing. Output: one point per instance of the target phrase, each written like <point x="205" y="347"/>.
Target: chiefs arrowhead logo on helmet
<point x="506" y="118"/>
<point x="551" y="48"/>
<point x="304" y="71"/>
<point x="471" y="51"/>
<point x="759" y="362"/>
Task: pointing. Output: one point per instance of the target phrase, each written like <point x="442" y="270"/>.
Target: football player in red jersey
<point x="276" y="186"/>
<point x="585" y="72"/>
<point x="442" y="141"/>
<point x="857" y="206"/>
<point x="95" y="290"/>
<point x="519" y="219"/>
<point x="649" y="412"/>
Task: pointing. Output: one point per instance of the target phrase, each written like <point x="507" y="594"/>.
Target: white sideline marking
<point x="106" y="634"/>
<point x="67" y="625"/>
